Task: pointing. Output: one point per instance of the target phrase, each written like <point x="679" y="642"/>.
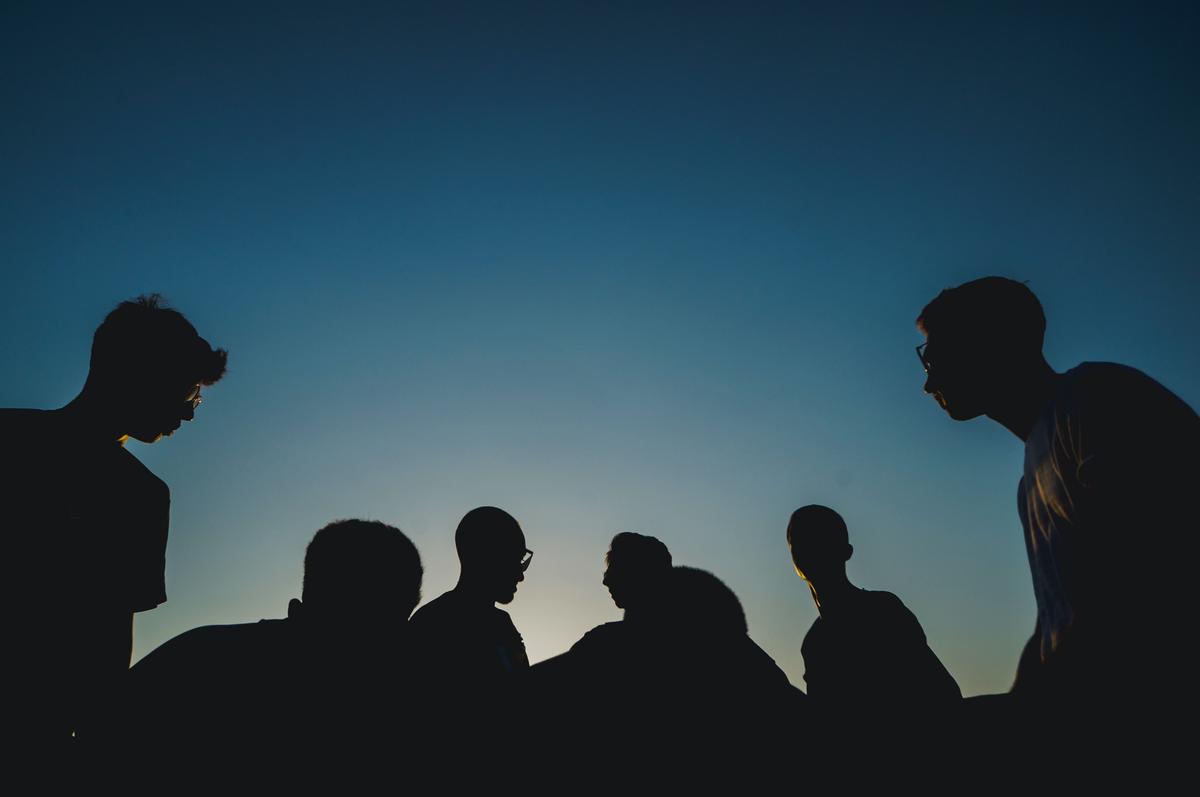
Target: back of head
<point x="818" y="539"/>
<point x="990" y="313"/>
<point x="362" y="570"/>
<point x="703" y="606"/>
<point x="143" y="339"/>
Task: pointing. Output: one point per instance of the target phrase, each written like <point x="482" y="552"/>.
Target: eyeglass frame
<point x="193" y="397"/>
<point x="921" y="356"/>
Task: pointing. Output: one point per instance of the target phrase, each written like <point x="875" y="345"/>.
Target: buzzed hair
<point x="356" y="560"/>
<point x="815" y="519"/>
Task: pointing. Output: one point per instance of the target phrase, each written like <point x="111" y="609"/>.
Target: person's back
<point x="866" y="654"/>
<point x="328" y="680"/>
<point x="872" y="656"/>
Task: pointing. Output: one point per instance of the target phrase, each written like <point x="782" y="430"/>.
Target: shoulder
<point x="812" y="636"/>
<point x="1099" y="387"/>
<point x="890" y="610"/>
<point x="502" y="619"/>
<point x="22" y="426"/>
<point x="149" y="482"/>
<point x="603" y="633"/>
<point x="436" y="611"/>
<point x="195" y="648"/>
<point x="602" y="636"/>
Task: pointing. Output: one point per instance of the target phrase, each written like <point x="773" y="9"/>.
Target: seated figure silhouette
<point x="332" y="676"/>
<point x="1105" y="494"/>
<point x="467" y="645"/>
<point x="678" y="675"/>
<point x="86" y="523"/>
<point x="865" y="654"/>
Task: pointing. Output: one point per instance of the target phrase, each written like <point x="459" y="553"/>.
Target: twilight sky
<point x="626" y="266"/>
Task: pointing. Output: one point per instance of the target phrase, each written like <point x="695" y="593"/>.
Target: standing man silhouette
<point x="1105" y="500"/>
<point x="470" y="646"/>
<point x="86" y="522"/>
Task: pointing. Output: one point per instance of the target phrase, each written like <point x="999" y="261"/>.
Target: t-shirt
<point x="464" y="640"/>
<point x="872" y="655"/>
<point x="1107" y="509"/>
<point x="86" y="528"/>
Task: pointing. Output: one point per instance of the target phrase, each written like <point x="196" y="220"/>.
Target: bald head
<point x="491" y="550"/>
<point x="819" y="541"/>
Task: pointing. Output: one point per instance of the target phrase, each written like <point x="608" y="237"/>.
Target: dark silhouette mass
<point x="469" y="648"/>
<point x="1105" y="499"/>
<point x="678" y="677"/>
<point x="331" y="678"/>
<point x="87" y="522"/>
<point x="865" y="655"/>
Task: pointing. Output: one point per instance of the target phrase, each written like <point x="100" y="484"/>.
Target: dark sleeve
<point x="514" y="645"/>
<point x="148" y="556"/>
<point x="925" y="675"/>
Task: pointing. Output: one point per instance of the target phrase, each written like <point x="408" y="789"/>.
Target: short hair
<point x="484" y="530"/>
<point x="704" y="604"/>
<point x="819" y="520"/>
<point x="355" y="560"/>
<point x="147" y="334"/>
<point x="988" y="310"/>
<point x="640" y="550"/>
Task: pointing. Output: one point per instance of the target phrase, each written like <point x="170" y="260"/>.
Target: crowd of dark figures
<point x="355" y="681"/>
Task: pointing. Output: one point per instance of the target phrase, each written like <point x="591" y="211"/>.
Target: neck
<point x="1028" y="395"/>
<point x="473" y="591"/>
<point x="831" y="593"/>
<point x="93" y="417"/>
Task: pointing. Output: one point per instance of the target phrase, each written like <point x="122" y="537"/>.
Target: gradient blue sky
<point x="612" y="267"/>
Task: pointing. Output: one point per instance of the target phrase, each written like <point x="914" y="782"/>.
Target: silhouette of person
<point x="1102" y="499"/>
<point x="86" y="522"/>
<point x="637" y="572"/>
<point x="469" y="645"/>
<point x="866" y="653"/>
<point x="331" y="676"/>
<point x="679" y="676"/>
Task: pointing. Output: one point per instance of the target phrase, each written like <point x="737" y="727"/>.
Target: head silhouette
<point x="147" y="367"/>
<point x="359" y="574"/>
<point x="701" y="605"/>
<point x="819" y="542"/>
<point x="492" y="552"/>
<point x="636" y="568"/>
<point x="981" y="338"/>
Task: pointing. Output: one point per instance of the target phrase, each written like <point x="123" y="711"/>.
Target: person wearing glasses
<point x="469" y="644"/>
<point x="1105" y="500"/>
<point x="86" y="523"/>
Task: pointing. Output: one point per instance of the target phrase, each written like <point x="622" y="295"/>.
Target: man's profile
<point x="87" y="522"/>
<point x="1104" y="501"/>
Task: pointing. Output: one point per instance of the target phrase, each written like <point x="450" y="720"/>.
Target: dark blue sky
<point x="612" y="268"/>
